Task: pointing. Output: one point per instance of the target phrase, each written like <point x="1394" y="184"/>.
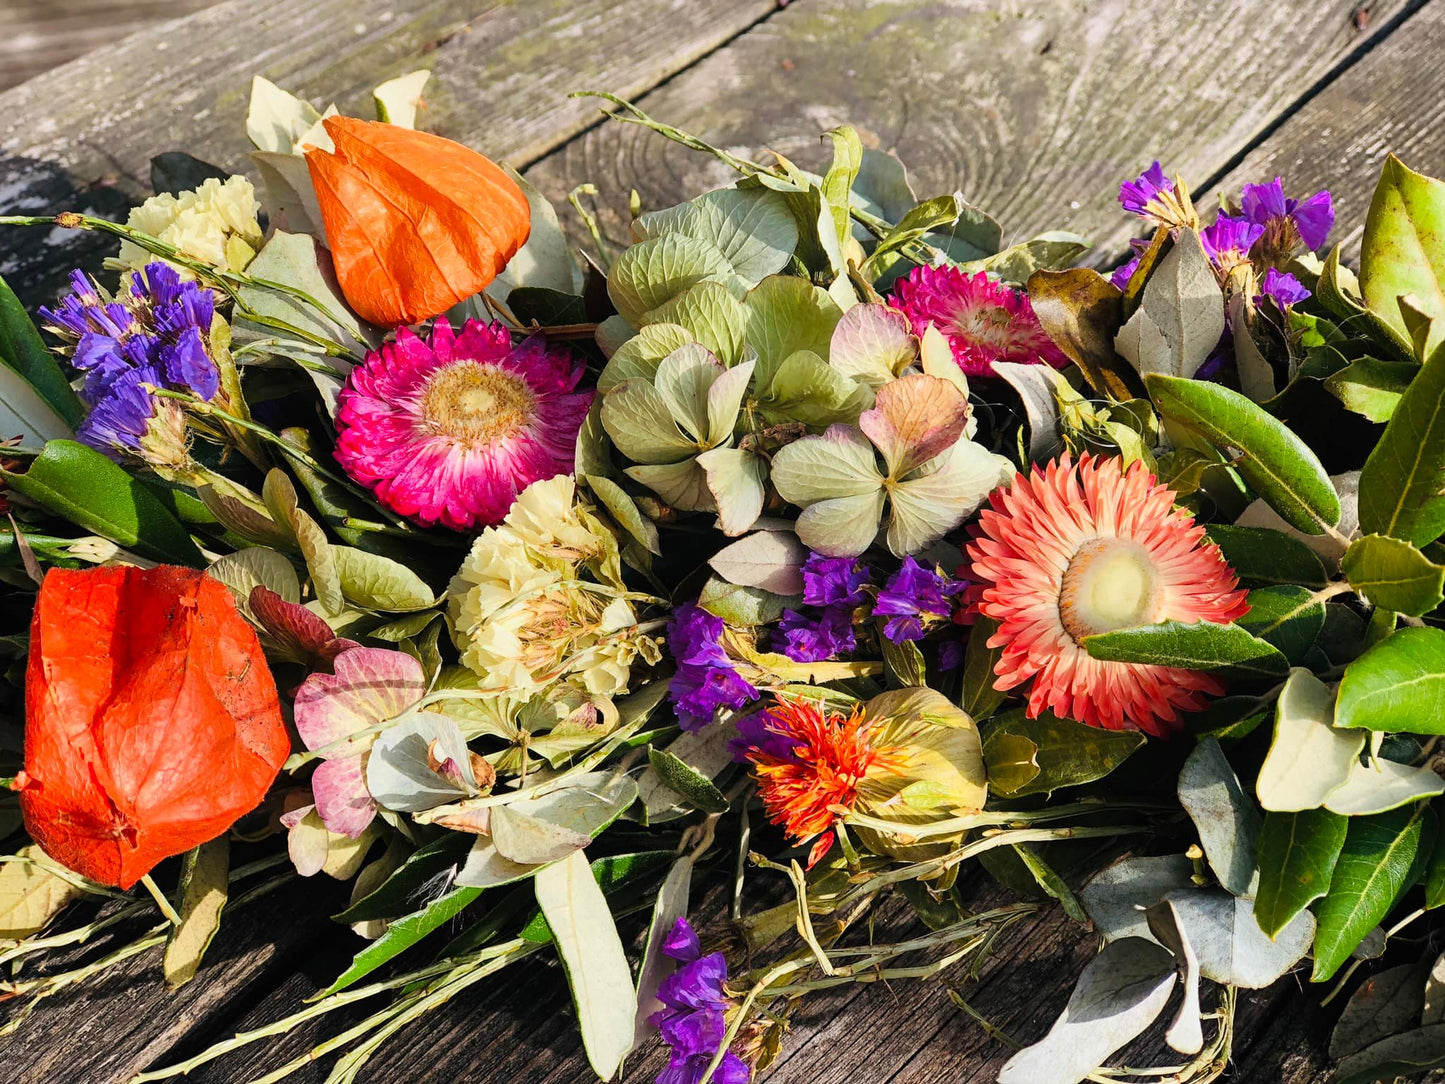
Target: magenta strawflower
<point x="449" y="430"/>
<point x="983" y="321"/>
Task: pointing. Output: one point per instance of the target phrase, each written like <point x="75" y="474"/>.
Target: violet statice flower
<point x="1283" y="287"/>
<point x="829" y="581"/>
<point x="153" y="333"/>
<point x="693" y="1017"/>
<point x="912" y="594"/>
<point x="1290" y="222"/>
<point x="706" y="677"/>
<point x="1227" y="240"/>
<point x="1141" y="195"/>
<point x="1121" y="275"/>
<point x="804" y="639"/>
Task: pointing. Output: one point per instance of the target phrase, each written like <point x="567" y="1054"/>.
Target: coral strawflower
<point x="450" y="429"/>
<point x="1078" y="549"/>
<point x="983" y="321"/>
<point x="810" y="764"/>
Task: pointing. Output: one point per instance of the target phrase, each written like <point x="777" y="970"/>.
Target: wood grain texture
<point x="1035" y="111"/>
<point x="81" y="137"/>
<point x="1387" y="103"/>
<point x="105" y="1030"/>
<point x="36" y="35"/>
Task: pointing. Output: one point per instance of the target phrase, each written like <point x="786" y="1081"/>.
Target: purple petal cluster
<point x="706" y="677"/>
<point x="153" y="333"/>
<point x="693" y="1019"/>
<point x="1310" y="219"/>
<point x="805" y="639"/>
<point x="1283" y="287"/>
<point x="911" y="594"/>
<point x="1136" y="196"/>
<point x="830" y="581"/>
<point x="1228" y="239"/>
<point x="835" y="584"/>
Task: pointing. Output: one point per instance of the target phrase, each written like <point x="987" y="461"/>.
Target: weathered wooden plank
<point x="36" y="35"/>
<point x="106" y="1029"/>
<point x="1035" y="111"/>
<point x="81" y="137"/>
<point x="1387" y="103"/>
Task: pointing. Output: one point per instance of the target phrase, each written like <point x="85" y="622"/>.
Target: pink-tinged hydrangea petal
<point x="449" y="432"/>
<point x="343" y="803"/>
<point x="983" y="321"/>
<point x="369" y="686"/>
<point x="914" y="419"/>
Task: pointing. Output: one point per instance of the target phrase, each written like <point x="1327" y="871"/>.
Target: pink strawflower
<point x="983" y="321"/>
<point x="1075" y="549"/>
<point x="450" y="430"/>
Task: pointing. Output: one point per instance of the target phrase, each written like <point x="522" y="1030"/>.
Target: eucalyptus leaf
<point x="1387" y="1003"/>
<point x="1117" y="897"/>
<point x="772" y="560"/>
<point x="31" y="894"/>
<point x="204" y="885"/>
<point x="1309" y="758"/>
<point x="1226" y="820"/>
<point x="1117" y="997"/>
<point x="1230" y="946"/>
<point x="671" y="905"/>
<point x="592" y="955"/>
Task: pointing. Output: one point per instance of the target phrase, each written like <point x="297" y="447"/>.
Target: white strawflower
<point x="215" y="224"/>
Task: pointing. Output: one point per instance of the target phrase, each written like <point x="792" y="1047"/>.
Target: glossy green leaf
<point x="1037" y="756"/>
<point x="1297" y="855"/>
<point x="401" y="934"/>
<point x="1373" y="869"/>
<point x="1435" y="873"/>
<point x="23" y="350"/>
<point x="79" y="484"/>
<point x="1200" y="646"/>
<point x="1262" y="557"/>
<point x="1287" y="616"/>
<point x="1276" y="463"/>
<point x="979" y="697"/>
<point x="1394" y="574"/>
<point x="1400" y="484"/>
<point x="1402" y="252"/>
<point x="1372" y="387"/>
<point x="404" y="890"/>
<point x="1397" y="685"/>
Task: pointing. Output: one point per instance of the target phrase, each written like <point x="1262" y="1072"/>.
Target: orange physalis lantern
<point x="415" y="222"/>
<point x="151" y="719"/>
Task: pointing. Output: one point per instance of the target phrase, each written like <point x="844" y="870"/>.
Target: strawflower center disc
<point x="1110" y="584"/>
<point x="477" y="404"/>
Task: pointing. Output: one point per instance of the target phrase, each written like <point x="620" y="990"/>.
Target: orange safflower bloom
<point x="151" y="720"/>
<point x="415" y="222"/>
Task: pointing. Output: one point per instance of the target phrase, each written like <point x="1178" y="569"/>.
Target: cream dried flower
<point x="214" y="223"/>
<point x="523" y="618"/>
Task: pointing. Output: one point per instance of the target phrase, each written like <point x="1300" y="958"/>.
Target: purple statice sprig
<point x="707" y="677"/>
<point x="1141" y="196"/>
<point x="837" y="587"/>
<point x="1283" y="288"/>
<point x="1228" y="239"/>
<point x="153" y="334"/>
<point x="912" y="596"/>
<point x="1288" y="223"/>
<point x="693" y="1017"/>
